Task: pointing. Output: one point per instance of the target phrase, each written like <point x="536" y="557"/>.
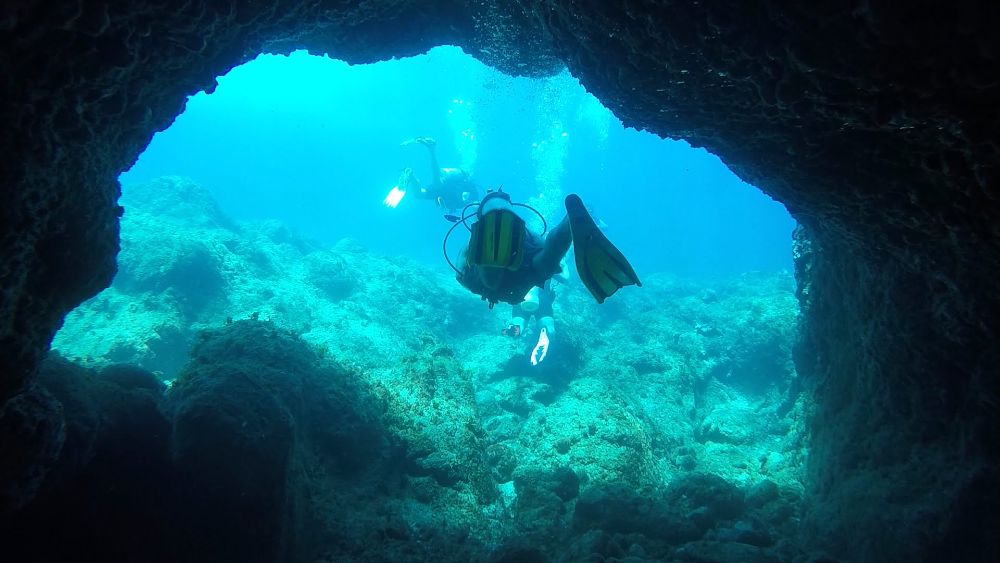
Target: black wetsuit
<point x="450" y="190"/>
<point x="546" y="297"/>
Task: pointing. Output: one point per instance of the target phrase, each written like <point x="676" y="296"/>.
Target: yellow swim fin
<point x="602" y="267"/>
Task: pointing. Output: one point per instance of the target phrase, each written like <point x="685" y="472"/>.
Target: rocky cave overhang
<point x="874" y="124"/>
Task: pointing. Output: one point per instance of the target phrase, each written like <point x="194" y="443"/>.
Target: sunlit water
<point x="315" y="143"/>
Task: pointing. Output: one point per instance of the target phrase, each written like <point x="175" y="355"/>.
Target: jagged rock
<point x="518" y="554"/>
<point x="107" y="492"/>
<point x="432" y="410"/>
<point x="705" y="498"/>
<point x="542" y="497"/>
<point x="233" y="438"/>
<point x="762" y="493"/>
<point x="728" y="424"/>
<point x="132" y="377"/>
<point x="331" y="275"/>
<point x="707" y="551"/>
<point x="621" y="510"/>
<point x="749" y="532"/>
<point x="875" y="127"/>
<point x="33" y="431"/>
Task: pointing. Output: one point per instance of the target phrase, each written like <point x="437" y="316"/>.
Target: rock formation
<point x="875" y="124"/>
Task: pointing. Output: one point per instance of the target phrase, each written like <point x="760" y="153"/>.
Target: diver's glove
<point x="541" y="347"/>
<point x="511" y="330"/>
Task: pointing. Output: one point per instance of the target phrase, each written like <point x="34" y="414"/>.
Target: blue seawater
<point x="315" y="144"/>
<point x="306" y="399"/>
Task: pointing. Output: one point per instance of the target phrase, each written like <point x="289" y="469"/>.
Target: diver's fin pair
<point x="498" y="240"/>
<point x="601" y="266"/>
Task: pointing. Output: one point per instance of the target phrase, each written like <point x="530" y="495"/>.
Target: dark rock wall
<point x="870" y="122"/>
<point x="906" y="416"/>
<point x="249" y="409"/>
<point x="875" y="123"/>
<point x="216" y="469"/>
<point x="85" y="86"/>
<point x="105" y="493"/>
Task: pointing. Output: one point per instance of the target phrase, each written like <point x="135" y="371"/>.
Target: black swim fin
<point x="602" y="267"/>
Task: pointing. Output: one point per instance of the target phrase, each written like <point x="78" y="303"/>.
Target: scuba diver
<point x="450" y="188"/>
<point x="504" y="260"/>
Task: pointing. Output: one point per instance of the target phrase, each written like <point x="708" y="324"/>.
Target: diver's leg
<point x="517" y="321"/>
<point x="546" y="297"/>
<point x="556" y="244"/>
<point x="544" y="312"/>
<point x="435" y="167"/>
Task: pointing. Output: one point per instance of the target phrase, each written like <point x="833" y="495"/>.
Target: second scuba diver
<point x="504" y="261"/>
<point x="450" y="188"/>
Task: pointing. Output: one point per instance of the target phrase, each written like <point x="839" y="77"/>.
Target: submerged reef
<point x="313" y="419"/>
<point x="184" y="266"/>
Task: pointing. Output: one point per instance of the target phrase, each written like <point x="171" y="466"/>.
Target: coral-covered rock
<point x="33" y="431"/>
<point x="432" y="409"/>
<point x="234" y="428"/>
<point x="185" y="267"/>
<point x="708" y="551"/>
<point x="107" y="493"/>
<point x="329" y="273"/>
<point x="875" y="125"/>
<point x="621" y="510"/>
<point x="541" y="499"/>
<point x="254" y="409"/>
<point x="172" y="200"/>
<point x="132" y="377"/>
<point x="730" y="424"/>
<point x="705" y="498"/>
<point x="691" y="508"/>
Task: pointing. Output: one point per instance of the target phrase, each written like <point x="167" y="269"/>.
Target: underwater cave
<point x="872" y="124"/>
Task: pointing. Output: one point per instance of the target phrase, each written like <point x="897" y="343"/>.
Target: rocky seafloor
<point x="874" y="123"/>
<point x="243" y="394"/>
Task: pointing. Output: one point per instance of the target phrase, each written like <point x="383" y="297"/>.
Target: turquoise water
<point x="315" y="144"/>
<point x="294" y="360"/>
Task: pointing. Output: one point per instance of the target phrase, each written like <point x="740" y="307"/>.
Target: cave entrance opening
<point x="231" y="213"/>
<point x="315" y="144"/>
<point x="260" y="201"/>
